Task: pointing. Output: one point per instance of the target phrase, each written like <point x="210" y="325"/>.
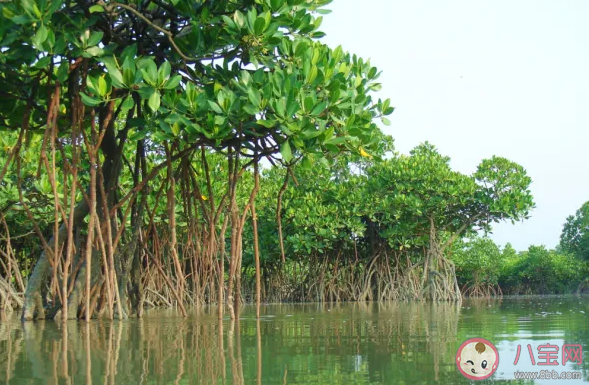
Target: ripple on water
<point x="355" y="343"/>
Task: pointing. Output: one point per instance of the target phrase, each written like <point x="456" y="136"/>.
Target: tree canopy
<point x="574" y="238"/>
<point x="112" y="95"/>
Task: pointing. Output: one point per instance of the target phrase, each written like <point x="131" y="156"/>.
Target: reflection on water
<point x="374" y="343"/>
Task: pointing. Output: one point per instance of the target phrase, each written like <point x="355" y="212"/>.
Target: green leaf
<point x="259" y="25"/>
<point x="63" y="71"/>
<point x="164" y="72"/>
<point x="250" y="109"/>
<point x="40" y="37"/>
<point x="311" y="133"/>
<point x="285" y="151"/>
<point x="215" y="107"/>
<point x="96" y="9"/>
<point x="267" y="15"/>
<point x="176" y="129"/>
<point x="281" y="107"/>
<point x="309" y="103"/>
<point x="386" y="121"/>
<point x="319" y="108"/>
<point x="312" y="75"/>
<point x="276" y="4"/>
<point x="267" y="123"/>
<point x="154" y="101"/>
<point x="338" y="54"/>
<point x="129" y="53"/>
<point x="145" y="92"/>
<point x="335" y="141"/>
<point x="246" y="78"/>
<point x="228" y="21"/>
<point x="254" y="96"/>
<point x="239" y="19"/>
<point x="89" y="100"/>
<point x="49" y="42"/>
<point x="252" y="15"/>
<point x="55" y="5"/>
<point x="102" y="86"/>
<point x="128" y="104"/>
<point x="7" y="12"/>
<point x="137" y="135"/>
<point x="375" y="87"/>
<point x="306" y="163"/>
<point x="92" y="84"/>
<point x="114" y="73"/>
<point x="332" y="148"/>
<point x="329" y="133"/>
<point x="128" y="76"/>
<point x="318" y="22"/>
<point x="173" y="82"/>
<point x="95" y="38"/>
<point x="31" y="8"/>
<point x="149" y="71"/>
<point x="94" y="51"/>
<point x="20" y="19"/>
<point x="43" y="62"/>
<point x="37" y="11"/>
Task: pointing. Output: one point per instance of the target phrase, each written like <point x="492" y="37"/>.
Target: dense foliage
<point x="542" y="271"/>
<point x="194" y="152"/>
<point x="480" y="264"/>
<point x="575" y="234"/>
<point x="381" y="229"/>
<point x="122" y="103"/>
<point x="486" y="269"/>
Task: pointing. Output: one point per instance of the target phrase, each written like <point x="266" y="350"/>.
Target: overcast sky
<point x="482" y="78"/>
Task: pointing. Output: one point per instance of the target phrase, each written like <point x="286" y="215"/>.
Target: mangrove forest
<point x="167" y="153"/>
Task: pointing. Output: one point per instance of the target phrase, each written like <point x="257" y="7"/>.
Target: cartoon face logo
<point x="477" y="359"/>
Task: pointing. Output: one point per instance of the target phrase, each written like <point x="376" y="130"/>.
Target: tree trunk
<point x="256" y="246"/>
<point x="33" y="304"/>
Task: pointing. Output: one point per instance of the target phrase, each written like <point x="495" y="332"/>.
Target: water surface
<point x="372" y="343"/>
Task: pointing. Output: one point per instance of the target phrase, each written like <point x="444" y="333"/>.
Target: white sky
<point x="480" y="78"/>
